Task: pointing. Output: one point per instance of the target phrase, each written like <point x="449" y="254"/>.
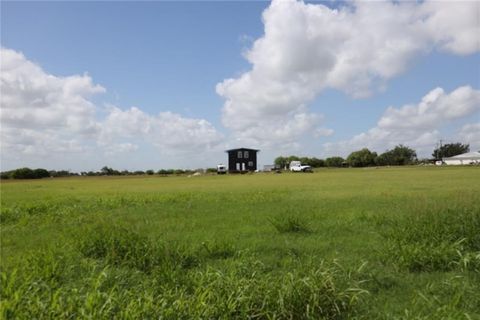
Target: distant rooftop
<point x="256" y="150"/>
<point x="468" y="155"/>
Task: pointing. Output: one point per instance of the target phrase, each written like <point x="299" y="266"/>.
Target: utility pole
<point x="440" y="150"/>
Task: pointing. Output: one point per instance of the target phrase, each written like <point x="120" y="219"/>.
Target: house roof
<point x="465" y="156"/>
<point x="249" y="149"/>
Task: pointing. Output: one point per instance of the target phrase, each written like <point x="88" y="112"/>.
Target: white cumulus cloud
<point x="417" y="125"/>
<point x="43" y="115"/>
<point x="470" y="134"/>
<point x="112" y="149"/>
<point x="170" y="132"/>
<point x="307" y="48"/>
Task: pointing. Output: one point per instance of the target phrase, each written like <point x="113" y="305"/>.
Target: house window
<point x="250" y="163"/>
<point x="245" y="154"/>
<point x="239" y="154"/>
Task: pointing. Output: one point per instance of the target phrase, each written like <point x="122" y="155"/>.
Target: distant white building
<point x="463" y="159"/>
<point x="268" y="167"/>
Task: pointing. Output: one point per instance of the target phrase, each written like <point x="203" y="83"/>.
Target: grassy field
<point x="389" y="243"/>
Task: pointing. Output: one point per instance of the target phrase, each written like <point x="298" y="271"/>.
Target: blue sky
<point x="147" y="54"/>
<point x="173" y="59"/>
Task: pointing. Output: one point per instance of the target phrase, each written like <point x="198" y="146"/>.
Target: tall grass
<point x="118" y="273"/>
<point x="240" y="247"/>
<point x="290" y="224"/>
<point x="435" y="240"/>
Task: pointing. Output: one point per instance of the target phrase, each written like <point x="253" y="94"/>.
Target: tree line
<point x="27" y="173"/>
<point x="398" y="156"/>
<point x="106" y="171"/>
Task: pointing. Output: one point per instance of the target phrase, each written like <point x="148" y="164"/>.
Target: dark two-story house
<point x="242" y="160"/>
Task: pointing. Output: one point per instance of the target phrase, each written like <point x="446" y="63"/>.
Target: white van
<point x="221" y="169"/>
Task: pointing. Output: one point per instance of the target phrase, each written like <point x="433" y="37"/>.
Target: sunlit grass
<point x="346" y="243"/>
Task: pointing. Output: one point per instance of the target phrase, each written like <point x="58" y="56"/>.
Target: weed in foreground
<point x="119" y="246"/>
<point x="441" y="240"/>
<point x="218" y="250"/>
<point x="45" y="287"/>
<point x="290" y="224"/>
<point x="454" y="298"/>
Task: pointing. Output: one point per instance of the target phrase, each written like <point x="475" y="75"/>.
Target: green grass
<point x="389" y="243"/>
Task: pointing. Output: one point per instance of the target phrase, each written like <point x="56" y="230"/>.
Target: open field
<point x="389" y="243"/>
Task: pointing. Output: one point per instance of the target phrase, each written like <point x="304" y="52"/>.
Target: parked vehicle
<point x="297" y="166"/>
<point x="221" y="169"/>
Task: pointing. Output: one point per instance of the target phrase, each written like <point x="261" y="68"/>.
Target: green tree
<point x="27" y="173"/>
<point x="398" y="156"/>
<point x="362" y="158"/>
<point x="313" y="162"/>
<point x="41" y="173"/>
<point x="305" y="160"/>
<point x="6" y="175"/>
<point x="106" y="171"/>
<point x="60" y="173"/>
<point x="334" y="162"/>
<point x="450" y="150"/>
<point x="292" y="158"/>
<point x="280" y="162"/>
<point x="316" y="163"/>
<point x="23" y="173"/>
